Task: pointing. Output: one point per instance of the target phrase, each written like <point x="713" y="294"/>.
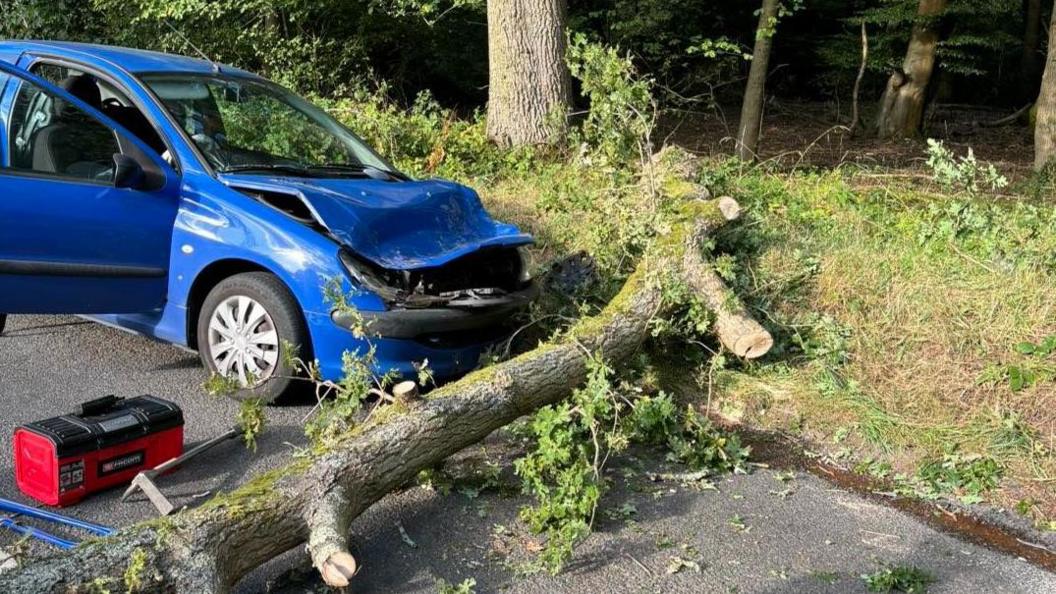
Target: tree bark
<point x="1045" y="130"/>
<point x="902" y="106"/>
<point x="530" y="86"/>
<point x="1031" y="62"/>
<point x="314" y="500"/>
<point x="755" y="91"/>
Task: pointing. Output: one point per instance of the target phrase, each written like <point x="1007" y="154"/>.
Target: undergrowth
<point x="912" y="326"/>
<point x="565" y="470"/>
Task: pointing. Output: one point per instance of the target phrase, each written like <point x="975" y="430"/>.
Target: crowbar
<point x="144" y="481"/>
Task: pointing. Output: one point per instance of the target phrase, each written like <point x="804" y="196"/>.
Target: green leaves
<point x="563" y="472"/>
<point x="910" y="580"/>
<point x="1041" y="350"/>
<point x="430" y="11"/>
<point x="701" y="446"/>
<point x="341" y="402"/>
<point x="1035" y="368"/>
<point x="1026" y="348"/>
<point x="964" y="173"/>
<point x="653" y="419"/>
<point x="252" y="418"/>
<point x="622" y="110"/>
<point x="468" y="586"/>
<point x="573" y="440"/>
<point x="967" y="476"/>
<point x="1020" y="378"/>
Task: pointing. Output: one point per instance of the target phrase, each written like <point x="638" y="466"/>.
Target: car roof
<point x="132" y="60"/>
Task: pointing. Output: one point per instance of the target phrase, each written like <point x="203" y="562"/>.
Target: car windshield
<point x="253" y="126"/>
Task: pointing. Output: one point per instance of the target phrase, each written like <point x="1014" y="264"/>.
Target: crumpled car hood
<point x="396" y="225"/>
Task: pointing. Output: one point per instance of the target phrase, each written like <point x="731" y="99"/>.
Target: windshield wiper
<point x="330" y="168"/>
<point x="367" y="170"/>
<point x="290" y="169"/>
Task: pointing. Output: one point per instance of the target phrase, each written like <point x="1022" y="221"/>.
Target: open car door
<point x="86" y="209"/>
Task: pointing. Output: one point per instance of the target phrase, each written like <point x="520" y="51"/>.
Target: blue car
<point x="207" y="207"/>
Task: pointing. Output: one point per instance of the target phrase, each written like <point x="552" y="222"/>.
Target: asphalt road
<point x="812" y="539"/>
<point x="49" y="365"/>
<point x="799" y="535"/>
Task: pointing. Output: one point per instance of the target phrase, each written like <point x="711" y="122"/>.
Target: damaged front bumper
<point x="470" y="313"/>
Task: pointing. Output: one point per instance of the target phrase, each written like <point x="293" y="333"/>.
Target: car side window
<point x="52" y="136"/>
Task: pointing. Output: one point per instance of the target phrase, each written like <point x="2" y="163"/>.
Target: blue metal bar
<point x="9" y="506"/>
<point x="36" y="533"/>
<point x="40" y="514"/>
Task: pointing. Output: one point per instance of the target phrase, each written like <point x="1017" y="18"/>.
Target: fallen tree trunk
<point x="313" y="500"/>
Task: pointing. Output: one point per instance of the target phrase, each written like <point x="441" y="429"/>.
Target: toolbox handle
<point x="99" y="405"/>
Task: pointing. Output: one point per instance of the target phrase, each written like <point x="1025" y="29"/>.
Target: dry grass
<point x="894" y="332"/>
<point x="930" y="326"/>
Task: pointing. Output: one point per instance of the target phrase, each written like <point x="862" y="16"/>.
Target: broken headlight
<point x="526" y="266"/>
<point x="368" y="278"/>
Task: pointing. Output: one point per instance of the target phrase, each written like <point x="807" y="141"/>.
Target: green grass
<point x="899" y="312"/>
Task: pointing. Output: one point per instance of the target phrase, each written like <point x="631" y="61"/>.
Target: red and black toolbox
<point x="62" y="460"/>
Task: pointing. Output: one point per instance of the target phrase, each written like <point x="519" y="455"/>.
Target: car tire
<point x="247" y="322"/>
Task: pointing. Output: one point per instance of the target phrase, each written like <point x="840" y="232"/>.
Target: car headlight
<point x="526" y="265"/>
<point x="367" y="279"/>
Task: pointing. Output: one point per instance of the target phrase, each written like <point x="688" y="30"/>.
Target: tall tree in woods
<point x="902" y="106"/>
<point x="1031" y="61"/>
<point x="1045" y="131"/>
<point x="755" y="92"/>
<point x="530" y="85"/>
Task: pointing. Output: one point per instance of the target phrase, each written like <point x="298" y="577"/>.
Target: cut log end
<point x="338" y="570"/>
<point x="405" y="391"/>
<point x="328" y="526"/>
<point x="729" y="208"/>
<point x="753" y="345"/>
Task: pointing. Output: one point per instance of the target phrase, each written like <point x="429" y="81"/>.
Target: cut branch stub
<point x="328" y="523"/>
<point x="407" y="393"/>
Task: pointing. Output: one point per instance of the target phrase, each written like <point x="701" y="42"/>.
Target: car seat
<point x="74" y="144"/>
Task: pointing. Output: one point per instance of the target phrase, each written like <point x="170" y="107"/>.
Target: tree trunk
<point x="313" y="500"/>
<point x="755" y="92"/>
<point x="1045" y="130"/>
<point x="902" y="106"/>
<point x="1031" y="63"/>
<point x="530" y="85"/>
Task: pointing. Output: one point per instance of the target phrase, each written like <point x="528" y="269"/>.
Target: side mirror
<point x="128" y="173"/>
